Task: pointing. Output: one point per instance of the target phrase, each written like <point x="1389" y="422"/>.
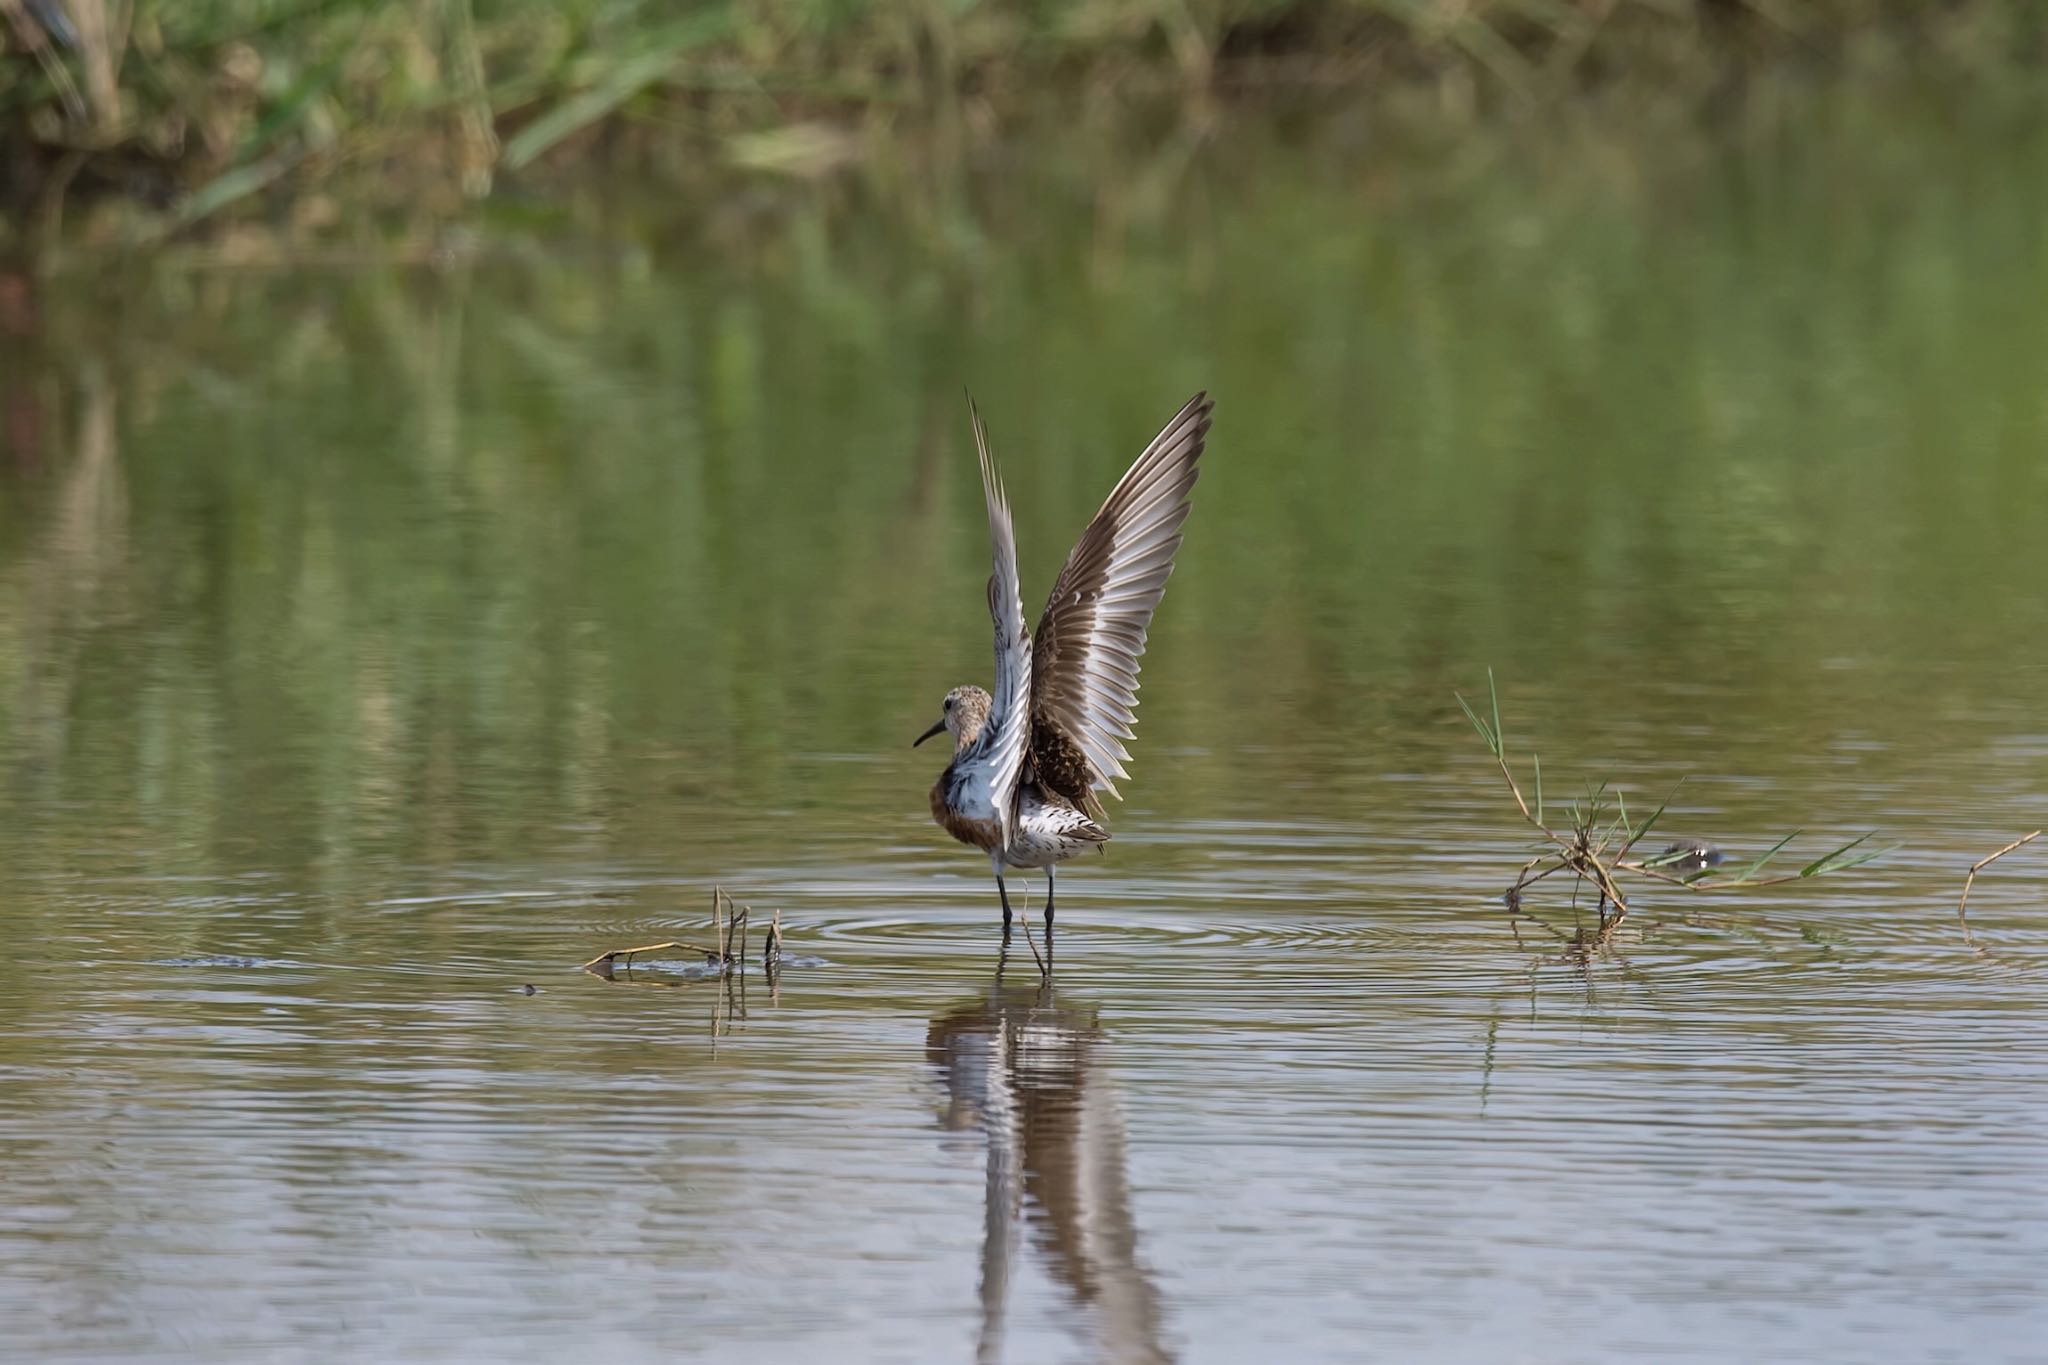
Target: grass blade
<point x="225" y="189"/>
<point x="1858" y="859"/>
<point x="1657" y="814"/>
<point x="1665" y="859"/>
<point x="1647" y="825"/>
<point x="1834" y="862"/>
<point x="1768" y="854"/>
<point x="1492" y="743"/>
<point x="628" y="80"/>
<point x="1500" y="736"/>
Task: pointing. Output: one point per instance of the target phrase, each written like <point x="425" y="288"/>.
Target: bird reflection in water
<point x="1020" y="1065"/>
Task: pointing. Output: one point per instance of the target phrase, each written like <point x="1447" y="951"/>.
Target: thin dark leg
<point x="1048" y="919"/>
<point x="1001" y="891"/>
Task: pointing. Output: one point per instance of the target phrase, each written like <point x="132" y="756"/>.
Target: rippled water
<point x="374" y="649"/>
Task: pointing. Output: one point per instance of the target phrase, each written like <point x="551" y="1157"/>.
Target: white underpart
<point x="986" y="776"/>
<point x="1048" y="833"/>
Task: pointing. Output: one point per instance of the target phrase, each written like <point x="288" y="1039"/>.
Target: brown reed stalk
<point x="1963" y="905"/>
<point x="728" y="950"/>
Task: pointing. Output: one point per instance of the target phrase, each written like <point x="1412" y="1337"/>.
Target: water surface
<point x="378" y="642"/>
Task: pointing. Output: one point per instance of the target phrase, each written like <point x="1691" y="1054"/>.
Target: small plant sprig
<point x="1600" y="844"/>
<point x="726" y="954"/>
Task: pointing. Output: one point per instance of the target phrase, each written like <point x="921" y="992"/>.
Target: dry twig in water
<point x="729" y="921"/>
<point x="1963" y="905"/>
<point x="1044" y="963"/>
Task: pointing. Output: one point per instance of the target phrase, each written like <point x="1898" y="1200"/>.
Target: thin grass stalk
<point x="1586" y="850"/>
<point x="1963" y="905"/>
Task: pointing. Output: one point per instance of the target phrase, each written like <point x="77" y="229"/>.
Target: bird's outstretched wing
<point x="1089" y="642"/>
<point x="997" y="759"/>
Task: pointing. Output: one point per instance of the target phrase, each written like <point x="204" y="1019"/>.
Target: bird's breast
<point x="984" y="834"/>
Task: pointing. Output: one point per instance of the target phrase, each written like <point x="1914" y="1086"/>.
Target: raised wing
<point x="998" y="755"/>
<point x="1093" y="632"/>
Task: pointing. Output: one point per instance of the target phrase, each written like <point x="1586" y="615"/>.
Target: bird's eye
<point x="949" y="703"/>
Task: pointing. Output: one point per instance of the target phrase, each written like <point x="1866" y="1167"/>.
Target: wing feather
<point x="999" y="751"/>
<point x="1089" y="642"/>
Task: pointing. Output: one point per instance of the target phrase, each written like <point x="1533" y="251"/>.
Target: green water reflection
<point x="419" y="632"/>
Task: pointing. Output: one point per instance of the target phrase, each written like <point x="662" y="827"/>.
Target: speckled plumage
<point x="1029" y="760"/>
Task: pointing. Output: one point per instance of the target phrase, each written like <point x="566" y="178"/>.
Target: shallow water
<point x="376" y="644"/>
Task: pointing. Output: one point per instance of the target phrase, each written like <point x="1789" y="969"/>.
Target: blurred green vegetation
<point x="1732" y="459"/>
<point x="179" y="111"/>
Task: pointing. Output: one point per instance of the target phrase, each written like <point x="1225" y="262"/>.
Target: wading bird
<point x="1028" y="760"/>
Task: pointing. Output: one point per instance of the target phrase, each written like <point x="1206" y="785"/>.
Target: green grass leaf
<point x="627" y="80"/>
<point x="1768" y="854"/>
<point x="1492" y="742"/>
<point x="1500" y="736"/>
<point x="1843" y="857"/>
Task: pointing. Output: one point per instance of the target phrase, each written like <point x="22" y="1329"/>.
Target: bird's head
<point x="963" y="713"/>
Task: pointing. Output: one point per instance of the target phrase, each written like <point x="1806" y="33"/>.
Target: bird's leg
<point x="1001" y="891"/>
<point x="1048" y="903"/>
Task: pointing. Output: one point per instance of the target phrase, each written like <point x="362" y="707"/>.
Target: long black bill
<point x="928" y="734"/>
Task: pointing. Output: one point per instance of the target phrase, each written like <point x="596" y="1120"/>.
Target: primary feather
<point x="1084" y="676"/>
